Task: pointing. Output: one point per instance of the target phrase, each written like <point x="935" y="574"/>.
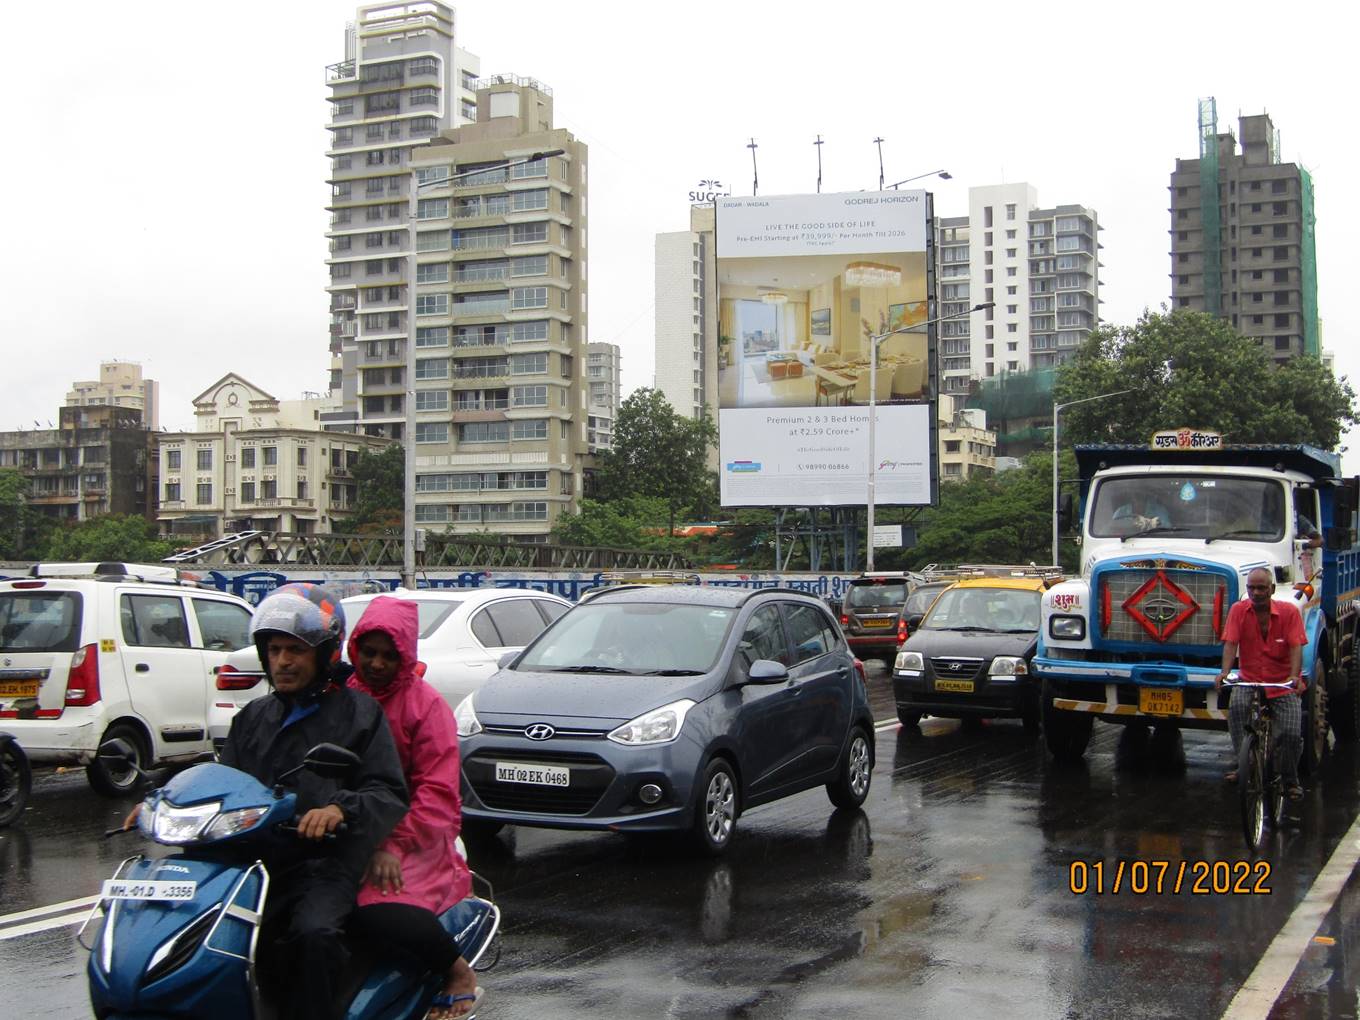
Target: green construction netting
<point x="1308" y="267"/>
<point x="1208" y="204"/>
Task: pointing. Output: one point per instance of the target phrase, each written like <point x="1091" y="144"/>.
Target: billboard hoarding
<point x="804" y="284"/>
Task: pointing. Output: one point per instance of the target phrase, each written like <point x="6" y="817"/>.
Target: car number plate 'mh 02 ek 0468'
<point x="538" y="775"/>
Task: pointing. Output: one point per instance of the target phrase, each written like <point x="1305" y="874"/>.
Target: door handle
<point x="142" y="667"/>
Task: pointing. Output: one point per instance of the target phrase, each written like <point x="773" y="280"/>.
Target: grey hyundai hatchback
<point x="648" y="709"/>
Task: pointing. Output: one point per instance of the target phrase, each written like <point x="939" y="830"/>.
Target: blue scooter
<point x="180" y="932"/>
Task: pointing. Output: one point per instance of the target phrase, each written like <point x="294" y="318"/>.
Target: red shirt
<point x="1265" y="660"/>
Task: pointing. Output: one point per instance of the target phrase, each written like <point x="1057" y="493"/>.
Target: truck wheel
<point x="1066" y="733"/>
<point x="1343" y="711"/>
<point x="1314" y="725"/>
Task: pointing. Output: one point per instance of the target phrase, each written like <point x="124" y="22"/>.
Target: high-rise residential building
<point x="120" y="384"/>
<point x="499" y="317"/>
<point x="403" y="81"/>
<point x="686" y="333"/>
<point x="1040" y="267"/>
<point x="604" y="383"/>
<point x="1242" y="236"/>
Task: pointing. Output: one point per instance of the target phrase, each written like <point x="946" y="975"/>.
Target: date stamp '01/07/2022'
<point x="1157" y="877"/>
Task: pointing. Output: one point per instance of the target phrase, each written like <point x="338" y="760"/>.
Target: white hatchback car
<point x="463" y="636"/>
<point x="93" y="651"/>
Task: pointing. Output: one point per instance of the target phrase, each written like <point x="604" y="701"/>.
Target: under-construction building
<point x="1242" y="236"/>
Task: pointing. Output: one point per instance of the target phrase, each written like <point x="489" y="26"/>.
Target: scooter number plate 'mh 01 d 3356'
<point x="149" y="889"/>
<point x="538" y="775"/>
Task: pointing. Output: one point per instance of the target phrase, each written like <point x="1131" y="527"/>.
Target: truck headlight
<point x="1067" y="628"/>
<point x="1009" y="665"/>
<point x="909" y="660"/>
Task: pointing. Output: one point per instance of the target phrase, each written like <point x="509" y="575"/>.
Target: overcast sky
<point x="165" y="176"/>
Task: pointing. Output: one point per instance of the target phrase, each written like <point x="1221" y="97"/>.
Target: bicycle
<point x="1260" y="785"/>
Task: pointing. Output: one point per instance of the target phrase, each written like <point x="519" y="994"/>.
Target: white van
<point x="92" y="651"/>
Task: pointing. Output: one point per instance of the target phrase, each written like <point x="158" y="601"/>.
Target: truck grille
<point x="1165" y="605"/>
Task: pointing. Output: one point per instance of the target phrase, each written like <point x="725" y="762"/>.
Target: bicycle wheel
<point x="1274" y="786"/>
<point x="1251" y="790"/>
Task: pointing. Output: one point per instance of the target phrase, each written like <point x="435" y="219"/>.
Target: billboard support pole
<point x="874" y="342"/>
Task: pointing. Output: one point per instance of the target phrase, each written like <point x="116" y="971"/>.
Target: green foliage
<point x="381" y="496"/>
<point x="110" y="537"/>
<point x="632" y="522"/>
<point x="1192" y="369"/>
<point x="23" y="529"/>
<point x="659" y="454"/>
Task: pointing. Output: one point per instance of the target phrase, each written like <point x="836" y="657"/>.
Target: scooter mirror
<point x="331" y="761"/>
<point x="118" y="750"/>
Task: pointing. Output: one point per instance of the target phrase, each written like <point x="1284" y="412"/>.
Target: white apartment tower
<point x="402" y="82"/>
<point x="1041" y="267"/>
<point x="686" y="334"/>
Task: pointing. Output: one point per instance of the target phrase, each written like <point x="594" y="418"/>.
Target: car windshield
<point x="631" y="637"/>
<point x="861" y="596"/>
<point x="433" y="612"/>
<point x="1189" y="506"/>
<point x="40" y="621"/>
<point x="994" y="609"/>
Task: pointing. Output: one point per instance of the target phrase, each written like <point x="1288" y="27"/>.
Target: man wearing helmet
<point x="298" y="631"/>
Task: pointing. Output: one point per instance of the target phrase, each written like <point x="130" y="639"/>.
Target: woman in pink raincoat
<point x="417" y="873"/>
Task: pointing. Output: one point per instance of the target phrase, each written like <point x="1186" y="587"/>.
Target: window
<point x="302" y="456"/>
<point x="484" y="432"/>
<point x="428" y="174"/>
<point x="763" y="638"/>
<point x="516" y="621"/>
<point x="172" y="460"/>
<point x="529" y="396"/>
<point x="432" y="209"/>
<point x="432" y="240"/>
<point x="532" y="265"/>
<point x="248" y="457"/>
<point x="172" y="492"/>
<point x="1010" y="211"/>
<point x="810" y="631"/>
<point x="432" y="400"/>
<point x="528" y="364"/>
<point x="528" y="233"/>
<point x="424" y="97"/>
<point x="205" y="460"/>
<point x="203" y="497"/>
<point x="431" y="514"/>
<point x="271" y="455"/>
<point x="269" y="489"/>
<point x="515" y="512"/>
<point x="432" y="336"/>
<point x="432" y="368"/>
<point x="533" y="168"/>
<point x="302" y="488"/>
<point x="432" y="272"/>
<point x="432" y="304"/>
<point x="432" y="432"/>
<point x="154" y="621"/>
<point x="529" y="297"/>
<point x="533" y="428"/>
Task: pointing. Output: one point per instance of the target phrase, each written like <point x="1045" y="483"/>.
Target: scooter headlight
<point x="229" y="823"/>
<point x="175" y="825"/>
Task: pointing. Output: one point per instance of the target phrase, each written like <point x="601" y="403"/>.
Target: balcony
<point x="464" y="309"/>
<point x="343" y="71"/>
<point x="281" y="502"/>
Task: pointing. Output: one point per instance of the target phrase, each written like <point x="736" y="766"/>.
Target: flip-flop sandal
<point x="1230" y="777"/>
<point x="445" y="1001"/>
<point x="1294" y="792"/>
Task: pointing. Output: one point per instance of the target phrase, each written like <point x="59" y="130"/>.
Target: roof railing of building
<point x="513" y="79"/>
<point x="341" y="71"/>
<point x="965" y="571"/>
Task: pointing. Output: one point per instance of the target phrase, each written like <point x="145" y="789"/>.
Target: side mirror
<point x="914" y="622"/>
<point x="331" y="761"/>
<point x="767" y="671"/>
<point x="1066" y="513"/>
<point x="119" y="751"/>
<point x="504" y="661"/>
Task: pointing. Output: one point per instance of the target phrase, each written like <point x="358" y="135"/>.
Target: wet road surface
<point x="949" y="894"/>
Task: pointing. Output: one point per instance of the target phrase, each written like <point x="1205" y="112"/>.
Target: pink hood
<point x="399" y="619"/>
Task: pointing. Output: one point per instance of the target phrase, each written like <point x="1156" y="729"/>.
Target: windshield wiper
<point x="1019" y="630"/>
<point x="1235" y="532"/>
<point x="588" y="669"/>
<point x="1158" y="530"/>
<point x="673" y="672"/>
<point x="970" y="628"/>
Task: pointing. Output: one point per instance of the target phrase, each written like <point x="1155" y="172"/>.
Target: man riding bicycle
<point x="1268" y="636"/>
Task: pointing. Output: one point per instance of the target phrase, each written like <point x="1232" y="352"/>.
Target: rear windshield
<point x="859" y="596"/>
<point x="432" y="612"/>
<point x="39" y="621"/>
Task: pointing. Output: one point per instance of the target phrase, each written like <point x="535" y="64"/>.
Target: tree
<point x="658" y="453"/>
<point x="125" y="537"/>
<point x="380" y="481"/>
<point x="628" y="523"/>
<point x="1192" y="369"/>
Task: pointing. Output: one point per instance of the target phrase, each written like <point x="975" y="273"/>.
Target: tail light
<point x="863" y="676"/>
<point x="901" y="631"/>
<point x="82" y="684"/>
<point x="229" y="678"/>
<point x="845" y="619"/>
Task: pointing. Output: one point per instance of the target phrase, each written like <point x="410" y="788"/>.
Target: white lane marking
<point x="64" y="921"/>
<point x="1263" y="988"/>
<point x="51" y="908"/>
<point x="880" y="727"/>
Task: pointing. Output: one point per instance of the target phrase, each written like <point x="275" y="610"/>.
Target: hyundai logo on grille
<point x="956" y="666"/>
<point x="539" y="731"/>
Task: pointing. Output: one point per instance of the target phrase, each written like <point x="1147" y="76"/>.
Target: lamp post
<point x="1056" y="409"/>
<point x="944" y="175"/>
<point x="874" y="342"/>
<point x="408" y="551"/>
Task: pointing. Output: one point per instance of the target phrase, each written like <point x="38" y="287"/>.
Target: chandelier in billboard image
<point x="872" y="274"/>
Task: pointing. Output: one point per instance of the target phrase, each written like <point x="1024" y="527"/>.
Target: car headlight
<point x="1067" y="628"/>
<point x="466" y="718"/>
<point x="909" y="660"/>
<point x="229" y="823"/>
<point x="1009" y="665"/>
<point x="182" y="824"/>
<point x="658" y="726"/>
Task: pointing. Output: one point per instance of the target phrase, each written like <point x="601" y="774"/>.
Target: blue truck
<point x="1169" y="533"/>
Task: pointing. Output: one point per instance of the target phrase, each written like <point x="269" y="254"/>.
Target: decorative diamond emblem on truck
<point x="1160" y="606"/>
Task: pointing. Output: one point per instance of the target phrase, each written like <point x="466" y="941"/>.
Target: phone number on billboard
<point x="823" y="467"/>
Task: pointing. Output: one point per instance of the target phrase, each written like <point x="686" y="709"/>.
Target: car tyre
<point x="716" y="809"/>
<point x="109" y="780"/>
<point x="851" y="784"/>
<point x="16" y="781"/>
<point x="1066" y="733"/>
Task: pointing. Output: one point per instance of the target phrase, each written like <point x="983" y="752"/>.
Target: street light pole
<point x="408" y="543"/>
<point x="944" y="175"/>
<point x="874" y="342"/>
<point x="1056" y="409"/>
